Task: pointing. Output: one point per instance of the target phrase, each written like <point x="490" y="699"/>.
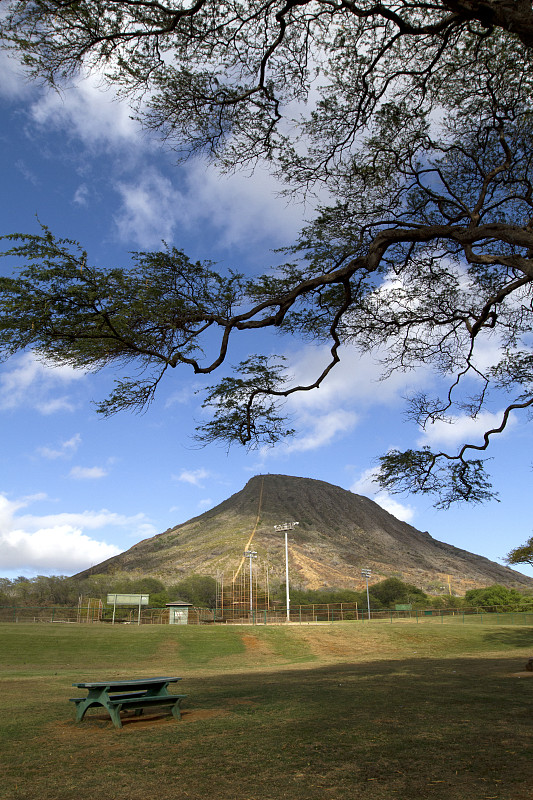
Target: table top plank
<point x="121" y="684"/>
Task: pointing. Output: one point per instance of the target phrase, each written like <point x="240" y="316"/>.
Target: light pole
<point x="287" y="526"/>
<point x="366" y="573"/>
<point x="251" y="554"/>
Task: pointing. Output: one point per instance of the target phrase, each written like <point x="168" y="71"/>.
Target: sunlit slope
<point x="338" y="533"/>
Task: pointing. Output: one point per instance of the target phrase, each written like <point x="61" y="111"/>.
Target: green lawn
<point x="343" y="711"/>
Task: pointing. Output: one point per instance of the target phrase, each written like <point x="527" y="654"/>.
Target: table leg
<point x="96" y="697"/>
<point x="114" y="713"/>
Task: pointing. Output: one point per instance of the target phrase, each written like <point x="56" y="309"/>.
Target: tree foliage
<point x="391" y="591"/>
<point x="413" y="119"/>
<point x="200" y="590"/>
<point x="43" y="590"/>
<point x="522" y="554"/>
<point x="383" y="595"/>
<point x="498" y="597"/>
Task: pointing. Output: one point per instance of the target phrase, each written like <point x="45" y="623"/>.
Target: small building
<point x="178" y="613"/>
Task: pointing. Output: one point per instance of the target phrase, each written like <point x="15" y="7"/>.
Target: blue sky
<point x="76" y="488"/>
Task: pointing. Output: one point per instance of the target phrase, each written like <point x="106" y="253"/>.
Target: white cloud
<point x="354" y="385"/>
<point x="242" y="210"/>
<point x="55" y="405"/>
<point x="151" y="210"/>
<point x="65" y="450"/>
<point x="88" y="473"/>
<point x="88" y="520"/>
<point x="81" y="195"/>
<point x="90" y="112"/>
<point x="366" y="485"/>
<point x="27" y="173"/>
<point x="32" y="382"/>
<point x="488" y="352"/>
<point x="59" y="543"/>
<point x="322" y="415"/>
<point x="353" y="381"/>
<point x="13" y="83"/>
<point x="183" y="395"/>
<point x="193" y="476"/>
<point x="463" y="429"/>
<point x="41" y="549"/>
<point x="398" y="510"/>
<point x="236" y="209"/>
<point x="315" y="431"/>
<point x="322" y="430"/>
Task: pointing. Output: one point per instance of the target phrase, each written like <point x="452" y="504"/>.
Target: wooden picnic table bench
<point x="137" y="694"/>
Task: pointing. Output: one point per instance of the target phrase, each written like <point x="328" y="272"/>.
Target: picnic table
<point x="136" y="694"/>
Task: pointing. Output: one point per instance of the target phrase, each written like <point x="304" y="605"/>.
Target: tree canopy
<point x="498" y="597"/>
<point x="522" y="554"/>
<point x="413" y="120"/>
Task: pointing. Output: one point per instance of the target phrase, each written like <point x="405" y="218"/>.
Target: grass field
<point x="303" y="713"/>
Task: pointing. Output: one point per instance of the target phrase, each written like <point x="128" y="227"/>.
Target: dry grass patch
<point x="443" y="726"/>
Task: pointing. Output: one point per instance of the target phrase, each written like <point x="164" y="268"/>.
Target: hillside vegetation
<point x="338" y="534"/>
<point x="201" y="591"/>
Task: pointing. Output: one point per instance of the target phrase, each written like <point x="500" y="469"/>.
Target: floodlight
<point x="366" y="573"/>
<point x="287" y="526"/>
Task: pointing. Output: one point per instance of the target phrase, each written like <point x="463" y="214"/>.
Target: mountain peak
<point x="338" y="533"/>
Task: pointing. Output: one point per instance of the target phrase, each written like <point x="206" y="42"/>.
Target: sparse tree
<point x="414" y="119"/>
<point x="522" y="554"/>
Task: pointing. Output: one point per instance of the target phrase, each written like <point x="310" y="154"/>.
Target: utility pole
<point x="287" y="526"/>
<point x="366" y="573"/>
<point x="251" y="554"/>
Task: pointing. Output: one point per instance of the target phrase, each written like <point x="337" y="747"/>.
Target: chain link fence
<point x="95" y="612"/>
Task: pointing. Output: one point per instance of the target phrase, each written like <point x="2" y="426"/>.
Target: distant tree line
<point x="201" y="591"/>
<point x="389" y="593"/>
<point x="383" y="595"/>
<point x="60" y="590"/>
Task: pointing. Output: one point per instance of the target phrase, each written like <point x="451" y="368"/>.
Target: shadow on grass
<point x="453" y="728"/>
<point x="443" y="729"/>
<point x="511" y="637"/>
